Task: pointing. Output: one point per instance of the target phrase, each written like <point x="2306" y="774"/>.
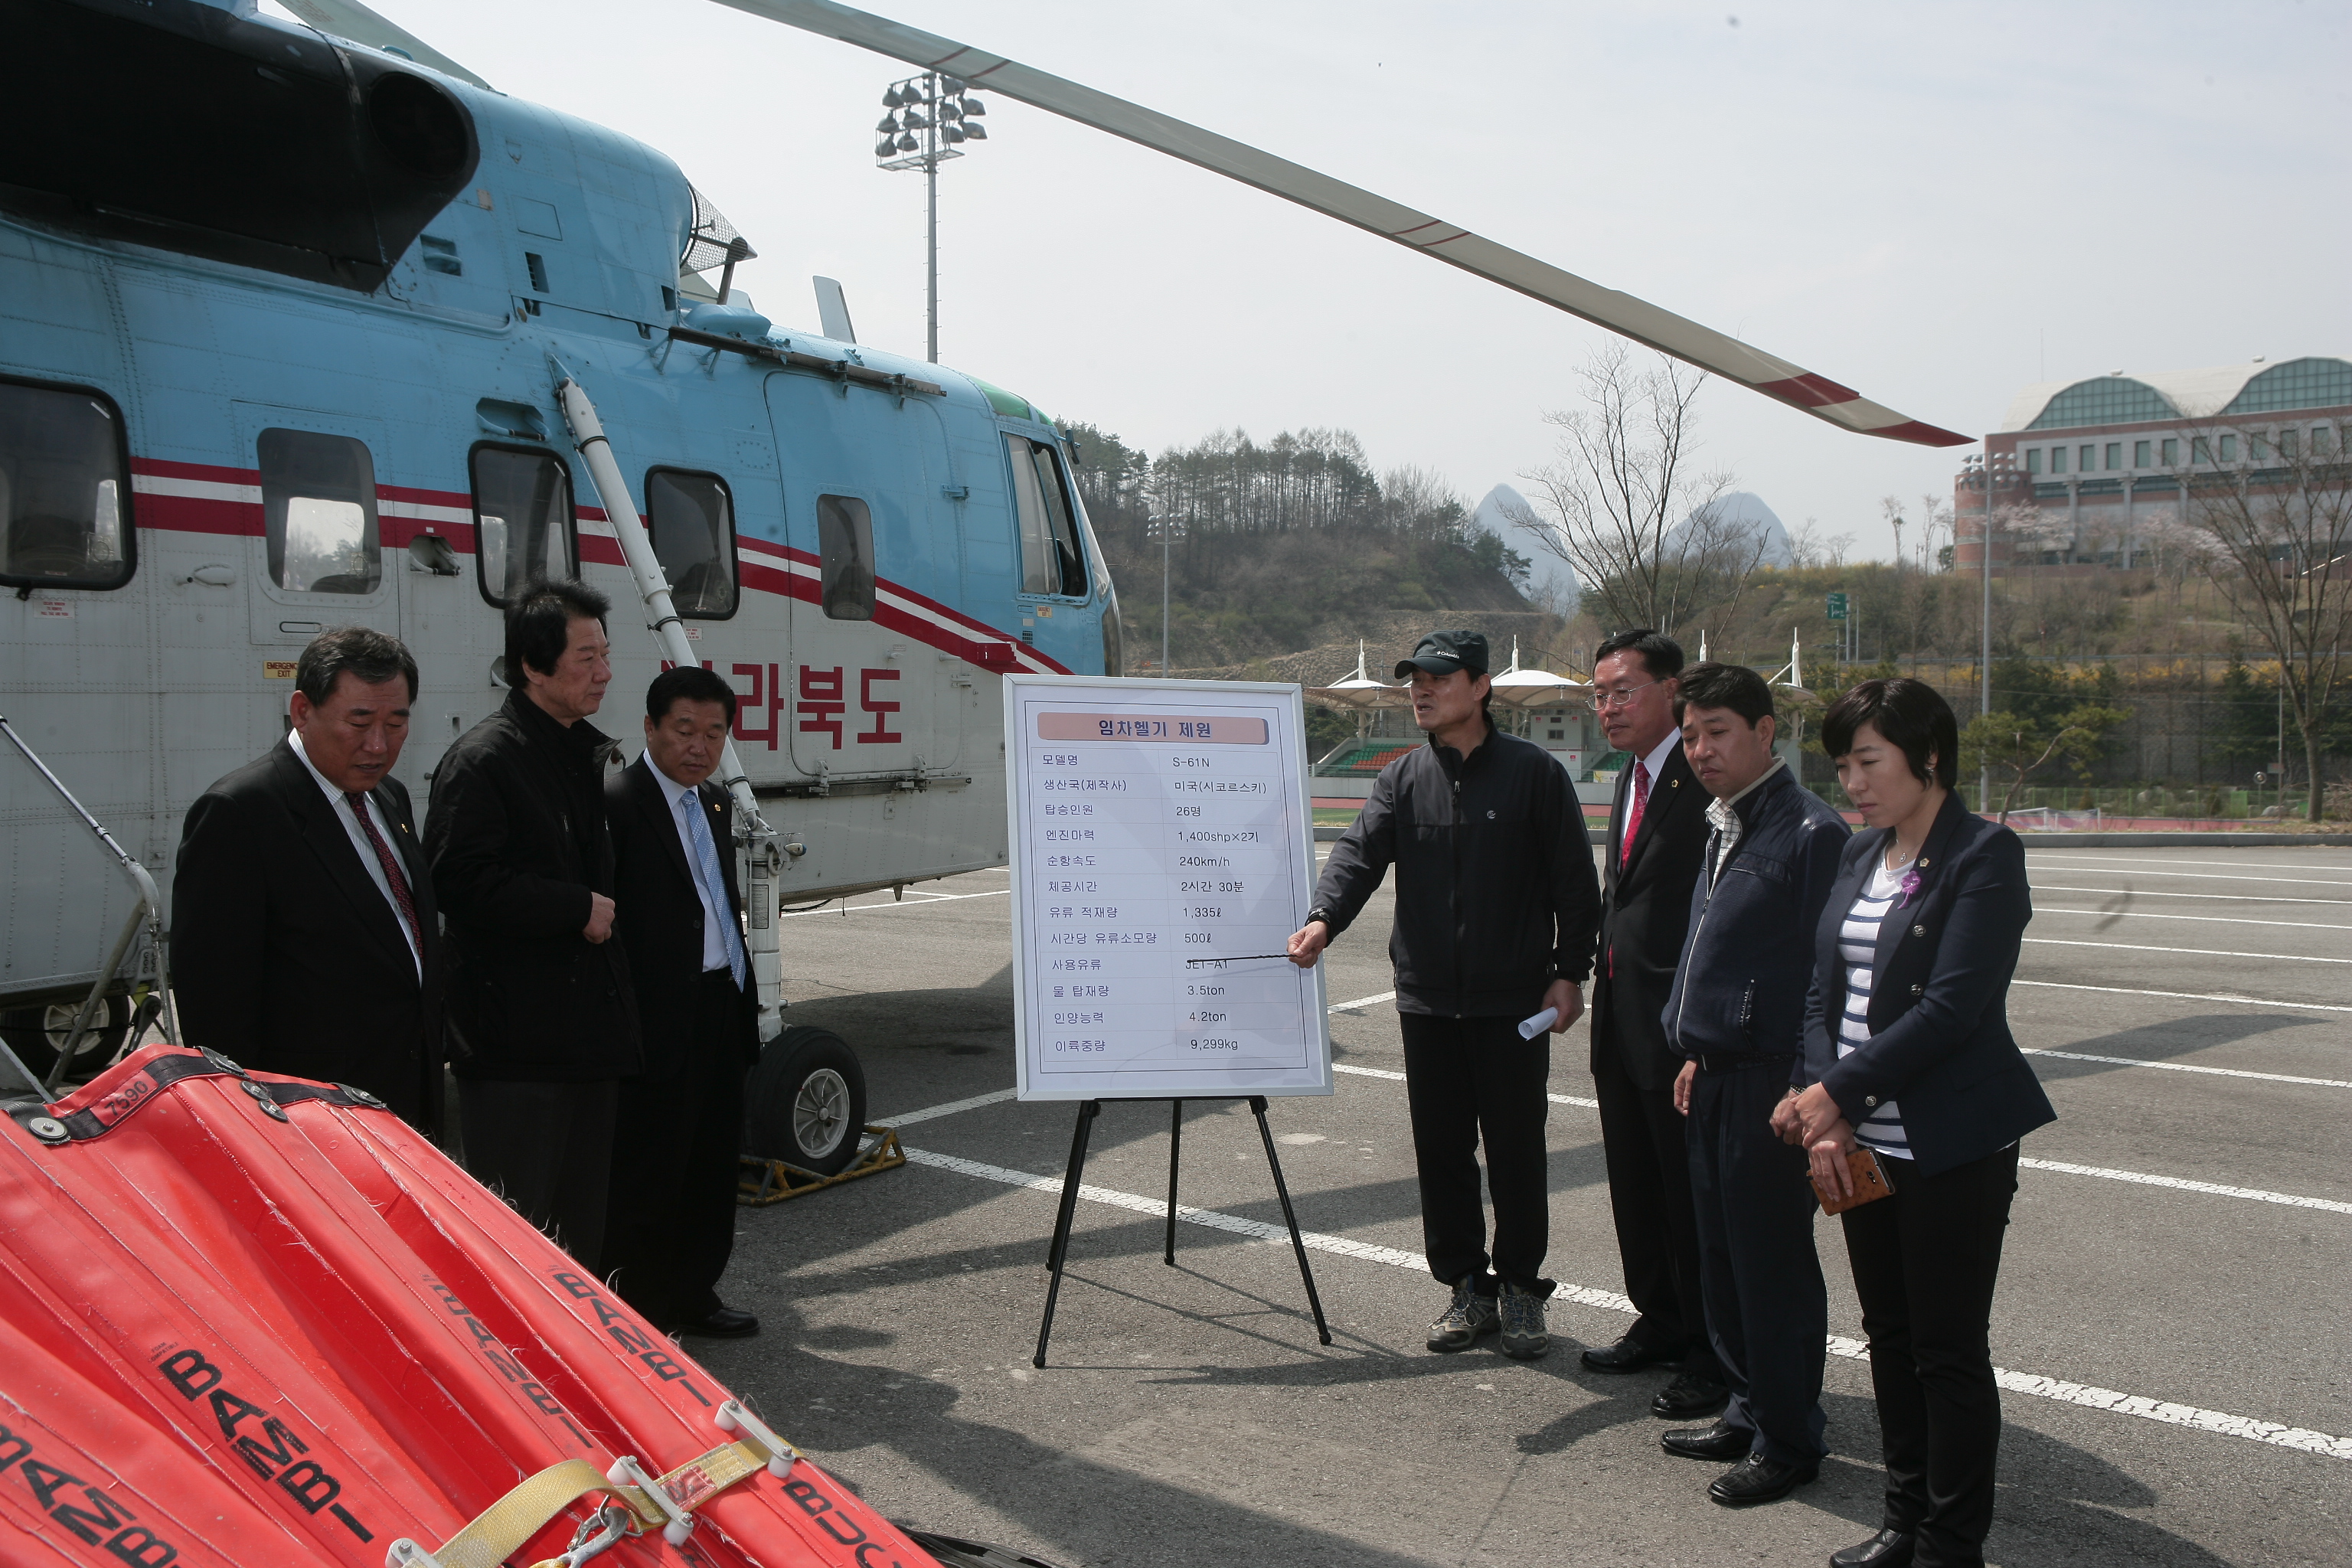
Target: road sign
<point x="1837" y="607"/>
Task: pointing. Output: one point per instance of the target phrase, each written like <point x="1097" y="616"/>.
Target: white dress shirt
<point x="1657" y="762"/>
<point x="361" y="847"/>
<point x="714" y="937"/>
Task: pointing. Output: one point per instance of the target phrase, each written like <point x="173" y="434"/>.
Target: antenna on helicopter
<point x="833" y="311"/>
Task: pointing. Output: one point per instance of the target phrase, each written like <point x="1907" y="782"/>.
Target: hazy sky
<point x="1935" y="205"/>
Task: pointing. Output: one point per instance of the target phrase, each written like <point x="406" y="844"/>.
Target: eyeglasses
<point x="1623" y="696"/>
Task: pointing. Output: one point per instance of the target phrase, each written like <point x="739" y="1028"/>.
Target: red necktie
<point x="391" y="863"/>
<point x="1634" y="813"/>
<point x="1633" y="826"/>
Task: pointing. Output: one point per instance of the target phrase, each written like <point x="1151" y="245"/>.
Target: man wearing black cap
<point x="1497" y="907"/>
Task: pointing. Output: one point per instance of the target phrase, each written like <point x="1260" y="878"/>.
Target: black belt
<point x="1732" y="1061"/>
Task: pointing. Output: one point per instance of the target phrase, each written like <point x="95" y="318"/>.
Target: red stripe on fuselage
<point x="198" y="514"/>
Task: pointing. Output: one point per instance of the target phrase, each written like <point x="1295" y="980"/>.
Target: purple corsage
<point x="1910" y="885"/>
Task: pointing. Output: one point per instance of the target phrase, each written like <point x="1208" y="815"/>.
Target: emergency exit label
<point x="1162" y="852"/>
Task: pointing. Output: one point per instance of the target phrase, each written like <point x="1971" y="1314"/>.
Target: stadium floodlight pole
<point x="930" y="117"/>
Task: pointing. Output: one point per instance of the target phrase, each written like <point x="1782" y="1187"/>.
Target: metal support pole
<point x="1088" y="1110"/>
<point x="1175" y="1143"/>
<point x="931" y="225"/>
<point x="1282" y="1191"/>
<point x="1164" y="558"/>
<point x="1984" y="629"/>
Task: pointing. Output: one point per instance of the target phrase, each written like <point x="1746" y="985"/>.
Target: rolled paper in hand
<point x="1539" y="1024"/>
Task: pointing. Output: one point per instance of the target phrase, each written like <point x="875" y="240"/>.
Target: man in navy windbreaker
<point x="1737" y="1015"/>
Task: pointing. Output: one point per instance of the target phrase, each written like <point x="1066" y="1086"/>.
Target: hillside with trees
<point x="1287" y="545"/>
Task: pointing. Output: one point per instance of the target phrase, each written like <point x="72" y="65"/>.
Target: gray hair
<point x="368" y="655"/>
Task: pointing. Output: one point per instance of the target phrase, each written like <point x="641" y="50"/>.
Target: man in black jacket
<point x="1494" y="913"/>
<point x="1657" y="826"/>
<point x="1737" y="1015"/>
<point x="541" y="1021"/>
<point x="670" y="1226"/>
<point x="304" y="935"/>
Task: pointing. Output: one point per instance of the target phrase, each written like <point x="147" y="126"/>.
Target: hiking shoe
<point x="1470" y="1319"/>
<point x="1522" y="1315"/>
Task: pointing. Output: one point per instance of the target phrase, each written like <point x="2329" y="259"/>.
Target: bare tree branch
<point x="1622" y="505"/>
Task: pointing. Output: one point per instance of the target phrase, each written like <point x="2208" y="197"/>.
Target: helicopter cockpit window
<point x="844" y="540"/>
<point x="1051" y="559"/>
<point x="523" y="525"/>
<point x="318" y="508"/>
<point x="65" y="519"/>
<point x="692" y="518"/>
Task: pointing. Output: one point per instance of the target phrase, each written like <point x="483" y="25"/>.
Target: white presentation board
<point x="1162" y="843"/>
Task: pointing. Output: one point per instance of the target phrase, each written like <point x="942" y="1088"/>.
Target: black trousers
<point x="674" y="1146"/>
<point x="1650" y="1198"/>
<point x="547" y="1149"/>
<point x="1468" y="1079"/>
<point x="1925" y="1262"/>
<point x="1766" y="1309"/>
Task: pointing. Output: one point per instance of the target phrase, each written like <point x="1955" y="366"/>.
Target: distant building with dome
<point x="2107" y="456"/>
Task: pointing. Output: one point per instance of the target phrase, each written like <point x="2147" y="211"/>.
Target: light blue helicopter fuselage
<point x="877" y="541"/>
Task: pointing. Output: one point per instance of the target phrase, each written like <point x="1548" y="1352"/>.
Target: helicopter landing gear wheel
<point x="806" y="1101"/>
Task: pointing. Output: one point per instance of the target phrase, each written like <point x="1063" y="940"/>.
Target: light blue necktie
<point x="705" y="861"/>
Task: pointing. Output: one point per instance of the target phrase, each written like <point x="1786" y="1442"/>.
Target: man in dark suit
<point x="542" y="1025"/>
<point x="1657" y="833"/>
<point x="304" y="937"/>
<point x="670" y="1222"/>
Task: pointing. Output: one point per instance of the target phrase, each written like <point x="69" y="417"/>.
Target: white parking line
<point x="2275" y="1432"/>
<point x="2186" y="1067"/>
<point x="2210" y="876"/>
<point x="2179" y="1185"/>
<point x="2207" y="920"/>
<point x="2167" y="893"/>
<point x="2185" y="996"/>
<point x="1399" y="1077"/>
<point x="2207" y="952"/>
<point x="949" y="1109"/>
<point x="2065" y="857"/>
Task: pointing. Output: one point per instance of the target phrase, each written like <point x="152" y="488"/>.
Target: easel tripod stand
<point x="1090" y="1109"/>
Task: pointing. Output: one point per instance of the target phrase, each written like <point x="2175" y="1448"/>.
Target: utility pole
<point x="1167" y="529"/>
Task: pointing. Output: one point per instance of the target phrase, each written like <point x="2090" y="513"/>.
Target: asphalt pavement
<point x="2171" y="1321"/>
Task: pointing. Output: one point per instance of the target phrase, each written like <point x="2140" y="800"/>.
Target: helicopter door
<point x="319" y="560"/>
<point x="867" y="692"/>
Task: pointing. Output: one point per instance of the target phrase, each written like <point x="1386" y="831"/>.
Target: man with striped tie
<point x="1737" y="1015"/>
<point x="671" y="1214"/>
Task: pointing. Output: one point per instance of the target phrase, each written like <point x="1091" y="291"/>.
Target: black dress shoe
<point x="1690" y="1397"/>
<point x="1887" y="1549"/>
<point x="1628" y="1355"/>
<point x="1718" y="1442"/>
<point x="1758" y="1480"/>
<point x="726" y="1323"/>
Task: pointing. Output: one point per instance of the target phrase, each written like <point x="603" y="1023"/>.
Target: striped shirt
<point x="1858" y="947"/>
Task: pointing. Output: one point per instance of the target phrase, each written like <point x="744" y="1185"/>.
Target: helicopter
<point x="303" y="324"/>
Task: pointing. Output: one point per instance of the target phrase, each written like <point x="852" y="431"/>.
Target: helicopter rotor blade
<point x="349" y="20"/>
<point x="1637" y="319"/>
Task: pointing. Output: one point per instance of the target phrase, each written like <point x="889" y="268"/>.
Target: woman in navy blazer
<point x="1907" y="1050"/>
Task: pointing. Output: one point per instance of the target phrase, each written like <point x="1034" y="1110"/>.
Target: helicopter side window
<point x="692" y="518"/>
<point x="64" y="520"/>
<point x="524" y="530"/>
<point x="845" y="538"/>
<point x="317" y="508"/>
<point x="1051" y="559"/>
